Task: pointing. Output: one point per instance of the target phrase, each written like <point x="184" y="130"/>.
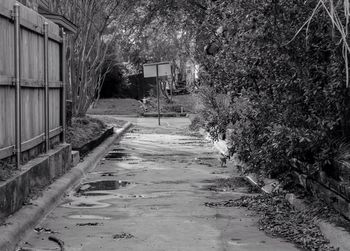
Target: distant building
<point x="34" y="4"/>
<point x="43" y="7"/>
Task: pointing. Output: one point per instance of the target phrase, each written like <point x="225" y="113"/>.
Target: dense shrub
<point x="285" y="95"/>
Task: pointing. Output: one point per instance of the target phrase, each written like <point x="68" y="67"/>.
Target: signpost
<point x="156" y="70"/>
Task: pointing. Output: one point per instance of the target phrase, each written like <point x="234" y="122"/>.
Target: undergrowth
<point x="7" y="169"/>
<point x="84" y="130"/>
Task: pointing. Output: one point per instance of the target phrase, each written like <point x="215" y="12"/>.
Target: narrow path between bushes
<point x="149" y="193"/>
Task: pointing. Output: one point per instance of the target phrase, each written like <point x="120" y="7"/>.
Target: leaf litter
<point x="123" y="236"/>
<point x="279" y="219"/>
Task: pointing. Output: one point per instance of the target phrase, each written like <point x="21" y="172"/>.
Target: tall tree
<point x="98" y="23"/>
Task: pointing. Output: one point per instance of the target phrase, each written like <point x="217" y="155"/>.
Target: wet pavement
<point x="149" y="193"/>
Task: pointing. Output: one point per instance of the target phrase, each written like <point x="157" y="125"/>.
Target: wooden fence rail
<point x="32" y="90"/>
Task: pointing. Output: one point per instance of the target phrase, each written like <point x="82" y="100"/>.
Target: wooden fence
<point x="32" y="70"/>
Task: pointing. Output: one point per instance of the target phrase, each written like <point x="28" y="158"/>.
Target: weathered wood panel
<point x="32" y="55"/>
<point x="7" y="4"/>
<point x="54" y="61"/>
<point x="6" y="47"/>
<point x="7" y="116"/>
<point x="55" y="104"/>
<point x="32" y="77"/>
<point x="32" y="113"/>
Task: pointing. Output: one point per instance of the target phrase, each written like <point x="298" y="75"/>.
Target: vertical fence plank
<point x="63" y="90"/>
<point x="18" y="84"/>
<point x="46" y="80"/>
<point x="3" y="137"/>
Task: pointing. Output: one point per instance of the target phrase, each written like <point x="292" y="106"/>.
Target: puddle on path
<point x="169" y="182"/>
<point x="237" y="184"/>
<point x="108" y="174"/>
<point x="206" y="158"/>
<point x="95" y="194"/>
<point x="115" y="155"/>
<point x="234" y="242"/>
<point x="118" y="150"/>
<point x="102" y="185"/>
<point x="121" y="156"/>
<point x="85" y="204"/>
<point x="88" y="217"/>
<point x="89" y="194"/>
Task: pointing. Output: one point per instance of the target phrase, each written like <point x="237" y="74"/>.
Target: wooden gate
<point x="32" y="90"/>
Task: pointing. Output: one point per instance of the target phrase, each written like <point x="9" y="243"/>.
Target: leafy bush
<point x="196" y="123"/>
<point x="285" y="95"/>
<point x="215" y="111"/>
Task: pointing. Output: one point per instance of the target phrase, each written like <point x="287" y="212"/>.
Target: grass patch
<point x="83" y="130"/>
<point x="188" y="103"/>
<point x="116" y="107"/>
<point x="127" y="106"/>
<point x="111" y="121"/>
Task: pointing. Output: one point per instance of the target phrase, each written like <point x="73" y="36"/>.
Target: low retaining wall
<point x="163" y="115"/>
<point x="334" y="192"/>
<point x="35" y="175"/>
<point x="83" y="150"/>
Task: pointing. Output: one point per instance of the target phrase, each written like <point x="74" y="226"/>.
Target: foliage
<point x="114" y="83"/>
<point x="288" y="96"/>
<point x="196" y="124"/>
<point x="161" y="30"/>
<point x="93" y="52"/>
<point x="273" y="71"/>
<point x="215" y="110"/>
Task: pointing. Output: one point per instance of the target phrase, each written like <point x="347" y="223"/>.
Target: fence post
<point x="46" y="81"/>
<point x="63" y="108"/>
<point x="17" y="84"/>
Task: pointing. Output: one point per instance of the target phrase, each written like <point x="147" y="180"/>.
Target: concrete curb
<point x="17" y="226"/>
<point x="163" y="115"/>
<point x="338" y="237"/>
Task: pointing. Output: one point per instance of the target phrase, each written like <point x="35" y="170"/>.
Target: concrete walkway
<point x="148" y="193"/>
<point x="18" y="225"/>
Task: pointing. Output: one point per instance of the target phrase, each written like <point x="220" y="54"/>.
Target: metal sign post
<point x="157" y="70"/>
<point x="158" y="93"/>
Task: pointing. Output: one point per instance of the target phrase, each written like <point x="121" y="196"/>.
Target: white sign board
<point x="164" y="70"/>
<point x="150" y="70"/>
